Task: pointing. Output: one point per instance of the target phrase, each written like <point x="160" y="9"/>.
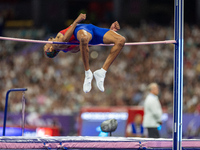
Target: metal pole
<point x="178" y="74"/>
<point x="23" y="112"/>
<point x="6" y="106"/>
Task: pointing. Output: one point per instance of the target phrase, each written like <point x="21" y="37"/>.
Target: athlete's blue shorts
<point x="96" y="32"/>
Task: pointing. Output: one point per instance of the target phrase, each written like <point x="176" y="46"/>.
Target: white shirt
<point x="152" y="111"/>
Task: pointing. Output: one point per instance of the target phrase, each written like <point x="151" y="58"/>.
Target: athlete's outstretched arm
<point x="70" y="31"/>
<point x="60" y="38"/>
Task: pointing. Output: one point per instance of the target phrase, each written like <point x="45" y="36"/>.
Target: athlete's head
<point x="52" y="54"/>
<point x="49" y="50"/>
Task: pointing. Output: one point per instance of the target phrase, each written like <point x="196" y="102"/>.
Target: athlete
<point x="85" y="34"/>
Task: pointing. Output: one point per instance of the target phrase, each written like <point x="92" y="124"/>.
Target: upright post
<point x="6" y="106"/>
<point x="178" y="74"/>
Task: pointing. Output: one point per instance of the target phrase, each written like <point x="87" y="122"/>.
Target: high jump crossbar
<point x="68" y="43"/>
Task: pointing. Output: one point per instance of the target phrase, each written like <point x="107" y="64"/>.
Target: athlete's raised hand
<point x="80" y="18"/>
<point x="115" y="26"/>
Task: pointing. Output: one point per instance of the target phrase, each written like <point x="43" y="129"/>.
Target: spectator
<point x="135" y="128"/>
<point x="136" y="67"/>
<point x="152" y="111"/>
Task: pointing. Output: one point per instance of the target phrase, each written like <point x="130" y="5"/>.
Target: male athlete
<point x="86" y="34"/>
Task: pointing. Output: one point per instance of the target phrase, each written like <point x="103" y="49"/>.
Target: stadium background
<point x="55" y="85"/>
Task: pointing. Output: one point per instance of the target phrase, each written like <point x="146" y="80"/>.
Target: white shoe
<point x="100" y="76"/>
<point x="87" y="82"/>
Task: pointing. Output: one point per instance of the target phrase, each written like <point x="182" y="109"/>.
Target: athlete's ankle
<point x="88" y="73"/>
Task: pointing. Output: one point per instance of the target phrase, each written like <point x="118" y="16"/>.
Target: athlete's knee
<point x="121" y="41"/>
<point x="84" y="40"/>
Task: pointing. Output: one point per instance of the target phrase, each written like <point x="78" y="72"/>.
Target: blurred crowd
<point x="55" y="86"/>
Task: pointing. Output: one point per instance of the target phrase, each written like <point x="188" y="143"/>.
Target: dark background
<point x="56" y="14"/>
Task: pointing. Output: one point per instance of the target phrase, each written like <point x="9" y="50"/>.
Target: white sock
<point x="87" y="82"/>
<point x="100" y="76"/>
<point x="103" y="71"/>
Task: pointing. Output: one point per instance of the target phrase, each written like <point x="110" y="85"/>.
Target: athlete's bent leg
<point x="84" y="38"/>
<point x="119" y="41"/>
